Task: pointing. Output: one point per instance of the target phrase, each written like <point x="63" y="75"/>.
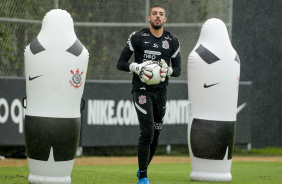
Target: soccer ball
<point x="156" y="75"/>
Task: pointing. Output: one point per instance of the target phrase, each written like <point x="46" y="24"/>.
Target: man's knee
<point x="147" y="137"/>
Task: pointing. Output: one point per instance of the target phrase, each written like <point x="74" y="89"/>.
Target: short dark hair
<point x="156" y="5"/>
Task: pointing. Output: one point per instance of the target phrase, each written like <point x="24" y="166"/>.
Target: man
<point x="150" y="45"/>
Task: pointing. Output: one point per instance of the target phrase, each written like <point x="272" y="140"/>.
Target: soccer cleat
<point x="138" y="174"/>
<point x="144" y="181"/>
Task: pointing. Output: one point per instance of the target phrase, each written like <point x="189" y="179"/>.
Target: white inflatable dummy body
<point x="55" y="68"/>
<point x="213" y="79"/>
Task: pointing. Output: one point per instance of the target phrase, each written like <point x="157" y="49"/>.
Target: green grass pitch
<point x="242" y="173"/>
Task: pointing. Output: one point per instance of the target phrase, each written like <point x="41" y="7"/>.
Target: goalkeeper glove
<point x="142" y="70"/>
<point x="165" y="70"/>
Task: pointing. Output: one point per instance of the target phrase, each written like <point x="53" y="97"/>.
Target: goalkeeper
<point x="150" y="45"/>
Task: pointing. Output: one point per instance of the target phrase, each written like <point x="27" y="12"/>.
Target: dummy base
<point x="35" y="179"/>
<point x="206" y="176"/>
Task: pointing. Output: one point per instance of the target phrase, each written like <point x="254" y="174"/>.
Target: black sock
<point x="143" y="159"/>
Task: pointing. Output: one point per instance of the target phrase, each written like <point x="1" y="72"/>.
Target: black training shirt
<point x="147" y="47"/>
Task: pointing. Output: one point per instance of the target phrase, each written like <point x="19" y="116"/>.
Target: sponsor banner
<point x="109" y="117"/>
<point x="122" y="112"/>
<point x="12" y="91"/>
<point x="115" y="122"/>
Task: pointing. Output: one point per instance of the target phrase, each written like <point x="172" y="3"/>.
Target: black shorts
<point x="210" y="139"/>
<point x="42" y="133"/>
<point x="150" y="107"/>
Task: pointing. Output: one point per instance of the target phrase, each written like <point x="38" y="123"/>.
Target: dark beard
<point x="155" y="26"/>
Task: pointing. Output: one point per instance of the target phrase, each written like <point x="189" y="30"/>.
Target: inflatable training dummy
<point x="55" y="68"/>
<point x="213" y="79"/>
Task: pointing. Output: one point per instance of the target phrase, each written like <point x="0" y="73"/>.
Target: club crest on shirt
<point x="142" y="99"/>
<point x="76" y="78"/>
<point x="165" y="44"/>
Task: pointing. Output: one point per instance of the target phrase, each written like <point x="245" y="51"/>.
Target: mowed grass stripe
<point x="242" y="173"/>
